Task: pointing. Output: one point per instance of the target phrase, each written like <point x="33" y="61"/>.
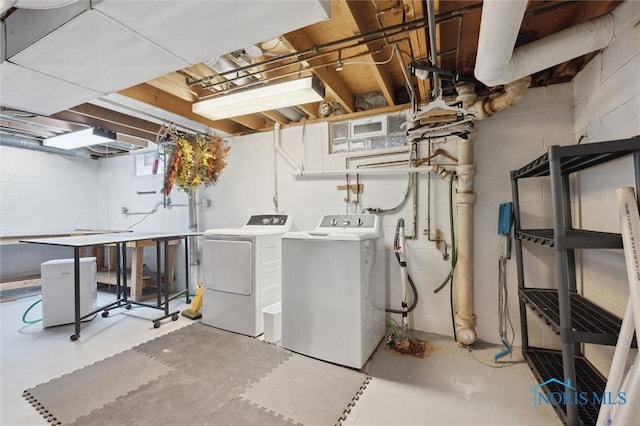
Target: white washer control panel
<point x="348" y="221"/>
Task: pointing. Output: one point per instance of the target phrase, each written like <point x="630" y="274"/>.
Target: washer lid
<point x="327" y="236"/>
<point x="355" y="227"/>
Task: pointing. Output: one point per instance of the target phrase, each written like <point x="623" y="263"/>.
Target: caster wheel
<point x="174" y="317"/>
<point x="105" y="314"/>
<point x="156" y="325"/>
<point x="74" y="337"/>
<point x="128" y="306"/>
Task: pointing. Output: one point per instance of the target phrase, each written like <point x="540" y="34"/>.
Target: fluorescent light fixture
<point x="294" y="92"/>
<point x="81" y="138"/>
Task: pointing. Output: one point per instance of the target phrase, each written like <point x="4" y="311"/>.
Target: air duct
<point x="222" y="64"/>
<point x="13" y="141"/>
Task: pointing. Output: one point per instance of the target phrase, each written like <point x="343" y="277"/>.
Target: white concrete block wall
<point x="603" y="103"/>
<point x="48" y="193"/>
<point x="45" y="193"/>
<point x="507" y="141"/>
<point x="119" y="187"/>
<point x="42" y="193"/>
<point x="607" y="107"/>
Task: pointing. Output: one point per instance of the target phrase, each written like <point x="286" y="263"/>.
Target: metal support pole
<point x="124" y="271"/>
<point x="158" y="264"/>
<point x="636" y="166"/>
<point x="76" y="292"/>
<point x="562" y="261"/>
<point x="118" y="272"/>
<point x="187" y="267"/>
<point x="524" y="332"/>
<point x="166" y="277"/>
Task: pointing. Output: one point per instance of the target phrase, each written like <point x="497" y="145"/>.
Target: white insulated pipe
<point x="498" y="63"/>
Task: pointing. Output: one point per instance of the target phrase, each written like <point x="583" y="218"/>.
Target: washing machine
<point x="333" y="289"/>
<point x="242" y="273"/>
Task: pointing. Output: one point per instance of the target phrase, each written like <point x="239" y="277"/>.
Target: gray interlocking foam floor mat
<point x="201" y="375"/>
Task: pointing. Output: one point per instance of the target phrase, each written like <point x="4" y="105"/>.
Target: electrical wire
<point x="393" y="51"/>
<point x="155" y="209"/>
<point x="502" y="364"/>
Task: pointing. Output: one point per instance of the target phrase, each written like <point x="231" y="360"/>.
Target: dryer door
<point x="231" y="266"/>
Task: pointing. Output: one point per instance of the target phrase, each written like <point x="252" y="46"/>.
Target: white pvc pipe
<point x="282" y="152"/>
<point x="616" y="372"/>
<point x="630" y="226"/>
<point x="298" y="171"/>
<point x="629" y="413"/>
<point x="499" y="29"/>
<point x="376" y="171"/>
<point x="497" y="63"/>
<point x="560" y="47"/>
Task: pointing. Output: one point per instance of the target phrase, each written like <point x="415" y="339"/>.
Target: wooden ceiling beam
<point x="174" y="84"/>
<point x="101" y="113"/>
<point x="357" y="13"/>
<point x="253" y="121"/>
<point x="419" y="43"/>
<point x="311" y="109"/>
<point x="76" y="117"/>
<point x="334" y="86"/>
<point x="163" y="100"/>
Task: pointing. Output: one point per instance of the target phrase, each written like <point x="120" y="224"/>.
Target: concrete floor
<point x="449" y="387"/>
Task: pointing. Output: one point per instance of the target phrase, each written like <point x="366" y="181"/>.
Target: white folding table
<point x="120" y="240"/>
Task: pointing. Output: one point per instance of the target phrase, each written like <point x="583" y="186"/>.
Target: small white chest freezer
<point x="58" y="297"/>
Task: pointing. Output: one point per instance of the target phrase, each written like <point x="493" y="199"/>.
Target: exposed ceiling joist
<point x="334" y="85"/>
<point x="362" y="19"/>
<point x="163" y="100"/>
<point x="276" y="117"/>
<point x="77" y="117"/>
<point x="357" y="34"/>
<point x="418" y="39"/>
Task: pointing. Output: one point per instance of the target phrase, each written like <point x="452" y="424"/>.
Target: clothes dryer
<point x="242" y="273"/>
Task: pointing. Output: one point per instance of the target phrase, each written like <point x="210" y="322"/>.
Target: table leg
<point x="158" y="284"/>
<point x="166" y="277"/>
<point x="124" y="274"/>
<point x="136" y="272"/>
<point x="187" y="267"/>
<point x="76" y="291"/>
<point x="118" y="270"/>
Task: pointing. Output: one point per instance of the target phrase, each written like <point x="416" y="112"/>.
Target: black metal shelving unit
<point x="569" y="314"/>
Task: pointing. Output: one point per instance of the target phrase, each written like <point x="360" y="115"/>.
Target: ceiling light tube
<point x="295" y="92"/>
<point x="81" y="138"/>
